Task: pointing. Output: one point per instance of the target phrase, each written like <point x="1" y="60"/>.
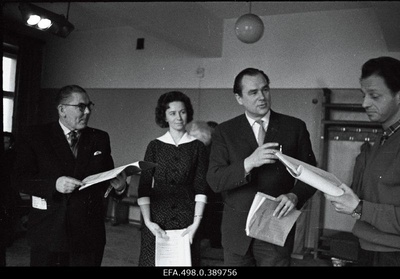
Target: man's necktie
<point x="261" y="133"/>
<point x="73" y="140"/>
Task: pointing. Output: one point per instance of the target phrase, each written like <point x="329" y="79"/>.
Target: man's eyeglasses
<point x="82" y="107"/>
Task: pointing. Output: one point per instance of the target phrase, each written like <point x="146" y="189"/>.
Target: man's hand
<point x="345" y="203"/>
<point x="119" y="183"/>
<point x="264" y="154"/>
<point x="66" y="184"/>
<point x="287" y="202"/>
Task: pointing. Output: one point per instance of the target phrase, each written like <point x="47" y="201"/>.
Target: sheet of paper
<point x="130" y="169"/>
<point x="257" y="202"/>
<point x="264" y="226"/>
<point x="175" y="251"/>
<point x="313" y="176"/>
<point x="39" y="203"/>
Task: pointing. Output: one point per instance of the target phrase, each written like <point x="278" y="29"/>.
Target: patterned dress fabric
<point x="179" y="176"/>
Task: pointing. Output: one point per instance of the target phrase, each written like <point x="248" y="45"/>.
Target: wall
<point x="129" y="118"/>
<point x="301" y="53"/>
<point x="307" y="50"/>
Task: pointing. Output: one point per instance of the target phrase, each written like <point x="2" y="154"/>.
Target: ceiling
<point x="197" y="27"/>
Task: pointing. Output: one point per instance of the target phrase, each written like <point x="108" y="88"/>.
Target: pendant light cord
<point x="69" y="3"/>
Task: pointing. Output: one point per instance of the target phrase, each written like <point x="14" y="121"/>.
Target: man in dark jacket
<point x="240" y="166"/>
<point x="66" y="226"/>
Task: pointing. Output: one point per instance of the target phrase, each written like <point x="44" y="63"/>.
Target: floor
<point x="122" y="250"/>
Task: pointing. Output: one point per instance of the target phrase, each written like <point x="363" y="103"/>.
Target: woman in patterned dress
<point x="172" y="196"/>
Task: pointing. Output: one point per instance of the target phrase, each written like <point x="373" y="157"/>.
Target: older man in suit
<point x="66" y="226"/>
<point x="240" y="167"/>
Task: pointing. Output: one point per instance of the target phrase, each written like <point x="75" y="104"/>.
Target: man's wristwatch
<point x="119" y="192"/>
<point x="357" y="212"/>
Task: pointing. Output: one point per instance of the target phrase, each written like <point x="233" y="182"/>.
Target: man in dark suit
<point x="240" y="167"/>
<point x="66" y="226"/>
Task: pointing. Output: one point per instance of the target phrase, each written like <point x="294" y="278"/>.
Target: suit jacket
<point x="71" y="221"/>
<point x="233" y="141"/>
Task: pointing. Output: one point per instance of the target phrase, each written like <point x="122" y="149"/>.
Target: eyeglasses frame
<point x="81" y="106"/>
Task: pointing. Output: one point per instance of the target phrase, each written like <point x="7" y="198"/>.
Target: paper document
<point x="175" y="251"/>
<point x="262" y="225"/>
<point x="313" y="176"/>
<point x="130" y="169"/>
<point x="39" y="203"/>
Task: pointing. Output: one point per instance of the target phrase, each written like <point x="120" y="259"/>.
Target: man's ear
<point x="239" y="99"/>
<point x="60" y="110"/>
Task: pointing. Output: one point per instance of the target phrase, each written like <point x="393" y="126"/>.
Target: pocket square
<point x="97" y="153"/>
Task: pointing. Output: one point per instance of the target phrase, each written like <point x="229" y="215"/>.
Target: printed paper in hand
<point x="175" y="251"/>
<point x="262" y="225"/>
<point x="313" y="176"/>
<point x="130" y="169"/>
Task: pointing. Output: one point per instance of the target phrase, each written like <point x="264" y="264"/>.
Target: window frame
<point x="10" y="51"/>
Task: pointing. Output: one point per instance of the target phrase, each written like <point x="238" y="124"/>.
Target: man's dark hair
<point x="66" y="91"/>
<point x="386" y="67"/>
<point x="237" y="85"/>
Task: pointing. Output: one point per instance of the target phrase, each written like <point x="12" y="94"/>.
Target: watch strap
<point x="358" y="210"/>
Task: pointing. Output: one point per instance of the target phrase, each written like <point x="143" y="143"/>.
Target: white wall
<point x="308" y="50"/>
<point x="129" y="118"/>
<point x="298" y="51"/>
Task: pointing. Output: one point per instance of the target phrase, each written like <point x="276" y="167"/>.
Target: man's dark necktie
<point x="261" y="133"/>
<point x="73" y="140"/>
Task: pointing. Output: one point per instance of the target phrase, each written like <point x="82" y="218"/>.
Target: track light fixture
<point x="45" y="20"/>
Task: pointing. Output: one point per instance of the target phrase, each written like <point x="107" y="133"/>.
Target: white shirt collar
<point x="265" y="118"/>
<point x="65" y="129"/>
<point x="167" y="138"/>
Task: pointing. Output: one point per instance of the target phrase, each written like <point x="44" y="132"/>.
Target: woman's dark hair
<point x="386" y="67"/>
<point x="66" y="91"/>
<point x="163" y="104"/>
<point x="237" y="84"/>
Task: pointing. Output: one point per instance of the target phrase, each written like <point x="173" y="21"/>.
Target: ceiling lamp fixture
<point x="249" y="28"/>
<point x="45" y="20"/>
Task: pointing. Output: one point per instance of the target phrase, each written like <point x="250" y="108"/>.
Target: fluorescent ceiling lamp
<point x="33" y="19"/>
<point x="45" y="20"/>
<point x="44" y="23"/>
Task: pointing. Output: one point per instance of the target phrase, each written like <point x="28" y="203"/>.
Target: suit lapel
<point x="84" y="152"/>
<point x="74" y="166"/>
<point x="246" y="132"/>
<point x="61" y="147"/>
<point x="273" y="127"/>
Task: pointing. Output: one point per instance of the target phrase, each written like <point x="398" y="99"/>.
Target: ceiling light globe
<point x="44" y="23"/>
<point x="249" y="28"/>
<point x="33" y="19"/>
